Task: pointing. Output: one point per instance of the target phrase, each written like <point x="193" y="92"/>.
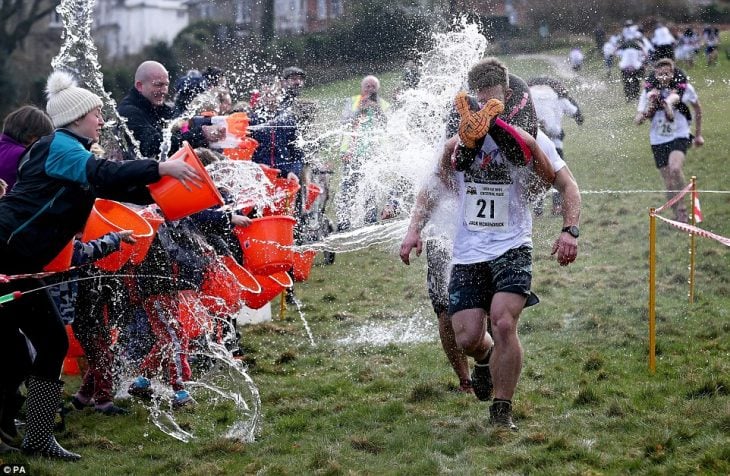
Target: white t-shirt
<point x="662" y="36"/>
<point x="630" y="58"/>
<point x="662" y="131"/>
<point x="494" y="214"/>
<point x="550" y="109"/>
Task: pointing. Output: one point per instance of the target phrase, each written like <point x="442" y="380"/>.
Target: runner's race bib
<point x="486" y="207"/>
<point x="666" y="128"/>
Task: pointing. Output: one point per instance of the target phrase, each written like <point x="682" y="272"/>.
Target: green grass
<point x="586" y="403"/>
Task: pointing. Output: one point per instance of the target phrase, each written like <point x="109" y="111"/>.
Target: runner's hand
<point x="411" y="240"/>
<point x="475" y="125"/>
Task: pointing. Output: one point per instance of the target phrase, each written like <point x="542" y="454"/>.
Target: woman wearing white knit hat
<point x="58" y="181"/>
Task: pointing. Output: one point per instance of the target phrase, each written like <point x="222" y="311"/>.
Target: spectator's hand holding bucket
<point x="173" y="194"/>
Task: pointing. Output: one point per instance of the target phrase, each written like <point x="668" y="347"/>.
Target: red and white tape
<point x="697" y="231"/>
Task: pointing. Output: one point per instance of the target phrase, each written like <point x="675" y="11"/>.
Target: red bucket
<point x="267" y="244"/>
<point x="62" y="261"/>
<point x="108" y="216"/>
<point x="144" y="242"/>
<point x="313" y="191"/>
<point x="303" y="261"/>
<point x="271" y="286"/>
<point x="175" y="200"/>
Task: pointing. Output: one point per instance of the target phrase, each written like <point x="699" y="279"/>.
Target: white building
<point x="123" y="27"/>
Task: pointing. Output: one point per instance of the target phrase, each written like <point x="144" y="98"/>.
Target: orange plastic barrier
<point x="271" y="286"/>
<point x="175" y="200"/>
<point x="302" y="266"/>
<point x="107" y="216"/>
<point x="62" y="261"/>
<point x="267" y="244"/>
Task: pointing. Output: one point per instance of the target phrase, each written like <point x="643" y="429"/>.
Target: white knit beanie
<point x="66" y="101"/>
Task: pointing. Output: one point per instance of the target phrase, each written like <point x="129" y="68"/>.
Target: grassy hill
<point x="375" y="395"/>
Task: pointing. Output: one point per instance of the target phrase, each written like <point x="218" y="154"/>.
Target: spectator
<point x="364" y="114"/>
<point x="50" y="203"/>
<point x="21" y="128"/>
<point x="146" y="112"/>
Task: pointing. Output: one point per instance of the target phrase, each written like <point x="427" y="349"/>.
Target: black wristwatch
<point x="573" y="230"/>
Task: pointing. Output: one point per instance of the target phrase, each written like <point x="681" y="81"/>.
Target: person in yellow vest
<point x="362" y="116"/>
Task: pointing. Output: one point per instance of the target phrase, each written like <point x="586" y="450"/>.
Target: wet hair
<point x="487" y="73"/>
<point x="27" y="124"/>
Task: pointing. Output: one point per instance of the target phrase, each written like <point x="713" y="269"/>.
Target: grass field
<point x="375" y="395"/>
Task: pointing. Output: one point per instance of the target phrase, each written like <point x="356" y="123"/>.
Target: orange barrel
<point x="175" y="200"/>
<point x="271" y="286"/>
<point x="303" y="261"/>
<point x="267" y="244"/>
<point x="108" y="216"/>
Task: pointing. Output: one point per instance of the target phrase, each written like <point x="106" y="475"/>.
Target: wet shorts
<point x="438" y="258"/>
<point x="662" y="151"/>
<point x="472" y="286"/>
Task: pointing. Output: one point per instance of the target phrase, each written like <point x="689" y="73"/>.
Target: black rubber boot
<point x="44" y="396"/>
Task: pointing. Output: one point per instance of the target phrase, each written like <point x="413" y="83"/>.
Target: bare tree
<point x="17" y="18"/>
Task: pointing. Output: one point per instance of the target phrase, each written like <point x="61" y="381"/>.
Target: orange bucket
<point x="303" y="261"/>
<point x="244" y="151"/>
<point x="283" y="193"/>
<point x="270" y="172"/>
<point x="192" y="317"/>
<point x="144" y="242"/>
<point x="246" y="280"/>
<point x="70" y="362"/>
<point x="271" y="286"/>
<point x="313" y="191"/>
<point x="62" y="261"/>
<point x="267" y="244"/>
<point x="175" y="200"/>
<point x="108" y="216"/>
<point x="220" y="291"/>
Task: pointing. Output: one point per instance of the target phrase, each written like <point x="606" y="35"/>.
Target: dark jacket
<point x="277" y="140"/>
<point x="58" y="181"/>
<point x="147" y="121"/>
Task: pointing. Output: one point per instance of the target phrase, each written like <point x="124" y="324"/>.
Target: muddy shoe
<point x="500" y="414"/>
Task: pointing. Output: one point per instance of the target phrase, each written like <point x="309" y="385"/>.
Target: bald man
<point x="147" y="113"/>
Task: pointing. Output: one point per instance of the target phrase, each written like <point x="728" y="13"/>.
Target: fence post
<point x="692" y="248"/>
<point x="652" y="291"/>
